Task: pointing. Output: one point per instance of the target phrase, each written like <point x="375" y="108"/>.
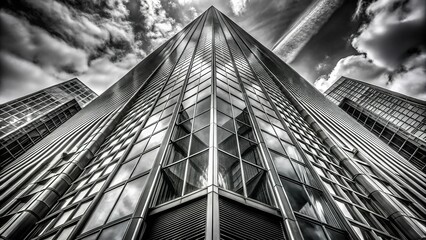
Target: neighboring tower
<point x="212" y="136"/>
<point x="26" y="120"/>
<point x="398" y="120"/>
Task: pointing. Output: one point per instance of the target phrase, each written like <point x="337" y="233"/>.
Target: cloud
<point x="238" y="6"/>
<point x="103" y="73"/>
<point x="158" y="25"/>
<point x="393" y="49"/>
<point x="357" y="67"/>
<point x="289" y="46"/>
<point x="35" y="45"/>
<point x="396" y="28"/>
<point x="16" y="73"/>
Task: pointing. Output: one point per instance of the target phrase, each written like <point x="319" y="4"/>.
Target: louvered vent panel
<point x="240" y="222"/>
<point x="181" y="222"/>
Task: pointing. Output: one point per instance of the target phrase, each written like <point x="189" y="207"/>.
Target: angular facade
<point x="398" y="120"/>
<point x="212" y="136"/>
<point x="26" y="120"/>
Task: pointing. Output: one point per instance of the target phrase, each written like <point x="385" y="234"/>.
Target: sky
<point x="45" y="42"/>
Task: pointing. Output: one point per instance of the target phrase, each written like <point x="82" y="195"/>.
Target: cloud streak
<point x="305" y="28"/>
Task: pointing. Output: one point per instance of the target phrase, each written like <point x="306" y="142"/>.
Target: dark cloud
<point x="393" y="42"/>
<point x="46" y="42"/>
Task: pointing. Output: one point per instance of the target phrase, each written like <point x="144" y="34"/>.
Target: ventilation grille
<point x="182" y="222"/>
<point x="240" y="222"/>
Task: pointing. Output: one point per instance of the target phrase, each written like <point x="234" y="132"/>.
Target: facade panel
<point x="212" y="137"/>
<point x="396" y="119"/>
<point x="26" y="120"/>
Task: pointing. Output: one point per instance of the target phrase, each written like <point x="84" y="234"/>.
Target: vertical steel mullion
<point x="212" y="223"/>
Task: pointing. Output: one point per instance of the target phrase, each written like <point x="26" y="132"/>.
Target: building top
<point x="16" y="113"/>
<point x="401" y="96"/>
<point x="401" y="111"/>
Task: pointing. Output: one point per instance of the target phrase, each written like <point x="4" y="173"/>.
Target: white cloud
<point x="103" y="73"/>
<point x="357" y="67"/>
<point x="238" y="6"/>
<point x="20" y="77"/>
<point x="158" y="25"/>
<point x="35" y="45"/>
<point x="394" y="30"/>
<point x="393" y="43"/>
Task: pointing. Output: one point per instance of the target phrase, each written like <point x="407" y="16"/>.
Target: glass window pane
<point x="65" y="233"/>
<point x="115" y="232"/>
<point x="304" y="174"/>
<point x="82" y="209"/>
<point x="284" y="166"/>
<point x="64" y="217"/>
<point x="321" y="207"/>
<point x="156" y="139"/>
<point x="128" y="199"/>
<point x="197" y="172"/>
<point x="179" y="150"/>
<point x="225" y="122"/>
<point x="174" y="176"/>
<point x="202" y="106"/>
<point x="103" y="209"/>
<point x="124" y="172"/>
<point x="229" y="172"/>
<point x="226" y="141"/>
<point x="298" y="198"/>
<point x="334" y="235"/>
<point x="344" y="209"/>
<point x="146" y="161"/>
<point x="310" y="230"/>
<point x="200" y="140"/>
<point x="272" y="143"/>
<point x="201" y="121"/>
<point x="256" y="185"/>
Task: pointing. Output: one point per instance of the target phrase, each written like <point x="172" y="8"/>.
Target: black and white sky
<point x="44" y="42"/>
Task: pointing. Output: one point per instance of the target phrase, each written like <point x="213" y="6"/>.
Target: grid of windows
<point x="13" y="146"/>
<point x="17" y="113"/>
<point x="398" y="120"/>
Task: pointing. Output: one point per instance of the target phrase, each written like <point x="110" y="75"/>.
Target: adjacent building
<point x="26" y="120"/>
<point x="396" y="119"/>
<point x="212" y="136"/>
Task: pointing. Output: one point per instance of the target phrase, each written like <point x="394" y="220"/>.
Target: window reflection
<point x="229" y="172"/>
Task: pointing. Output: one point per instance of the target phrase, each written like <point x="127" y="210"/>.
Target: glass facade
<point x="210" y="137"/>
<point x="26" y="120"/>
<point x="396" y="119"/>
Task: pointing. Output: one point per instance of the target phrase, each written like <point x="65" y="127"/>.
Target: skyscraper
<point x="212" y="136"/>
<point x="396" y="119"/>
<point x="26" y="120"/>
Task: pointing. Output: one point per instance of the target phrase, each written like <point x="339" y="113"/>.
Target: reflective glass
<point x="103" y="209"/>
<point x="197" y="172"/>
<point x="200" y="140"/>
<point x="124" y="172"/>
<point x="146" y="161"/>
<point x="128" y="199"/>
<point x="115" y="232"/>
<point x="310" y="230"/>
<point x="229" y="172"/>
<point x="298" y="198"/>
<point x="284" y="166"/>
<point x="227" y="141"/>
